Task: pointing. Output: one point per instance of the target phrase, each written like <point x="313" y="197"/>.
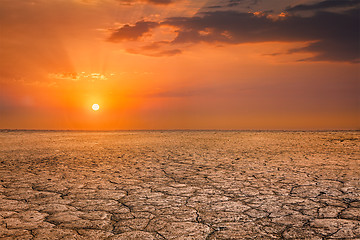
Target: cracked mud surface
<point x="179" y="185"/>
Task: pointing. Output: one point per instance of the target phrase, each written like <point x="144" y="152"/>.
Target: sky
<point x="179" y="64"/>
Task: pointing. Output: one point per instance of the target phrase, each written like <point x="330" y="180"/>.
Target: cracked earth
<point x="179" y="185"/>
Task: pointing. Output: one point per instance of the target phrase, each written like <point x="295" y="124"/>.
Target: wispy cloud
<point x="82" y="76"/>
<point x="156" y="2"/>
<point x="324" y="5"/>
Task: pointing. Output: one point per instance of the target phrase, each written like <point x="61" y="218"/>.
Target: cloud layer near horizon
<point x="157" y="2"/>
<point x="328" y="35"/>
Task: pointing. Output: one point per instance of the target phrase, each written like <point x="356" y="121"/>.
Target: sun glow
<point x="95" y="107"/>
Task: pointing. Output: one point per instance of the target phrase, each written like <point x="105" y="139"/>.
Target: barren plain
<point x="179" y="185"/>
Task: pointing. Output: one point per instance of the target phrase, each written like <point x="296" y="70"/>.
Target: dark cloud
<point x="160" y="1"/>
<point x="215" y="7"/>
<point x="157" y="2"/>
<point x="233" y="3"/>
<point x="328" y="4"/>
<point x="331" y="36"/>
<point x="128" y="32"/>
<point x="338" y="41"/>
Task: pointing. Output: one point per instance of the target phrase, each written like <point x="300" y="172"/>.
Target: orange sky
<point x="179" y="64"/>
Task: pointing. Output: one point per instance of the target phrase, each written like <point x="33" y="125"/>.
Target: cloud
<point x="82" y="76"/>
<point x="156" y="2"/>
<point x="161" y="53"/>
<point x="134" y="32"/>
<point x="156" y="49"/>
<point x="331" y="36"/>
<point x="328" y="4"/>
<point x="160" y="1"/>
<point x="233" y="3"/>
<point x="334" y="36"/>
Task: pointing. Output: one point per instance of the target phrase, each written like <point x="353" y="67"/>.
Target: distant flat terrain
<point x="179" y="185"/>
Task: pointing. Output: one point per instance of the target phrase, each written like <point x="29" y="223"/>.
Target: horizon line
<point x="173" y="130"/>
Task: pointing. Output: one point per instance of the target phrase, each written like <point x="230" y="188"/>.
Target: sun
<point x="95" y="107"/>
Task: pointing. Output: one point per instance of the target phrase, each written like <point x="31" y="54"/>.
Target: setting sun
<point x="95" y="107"/>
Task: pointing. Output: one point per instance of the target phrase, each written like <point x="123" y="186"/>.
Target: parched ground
<point x="179" y="185"/>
